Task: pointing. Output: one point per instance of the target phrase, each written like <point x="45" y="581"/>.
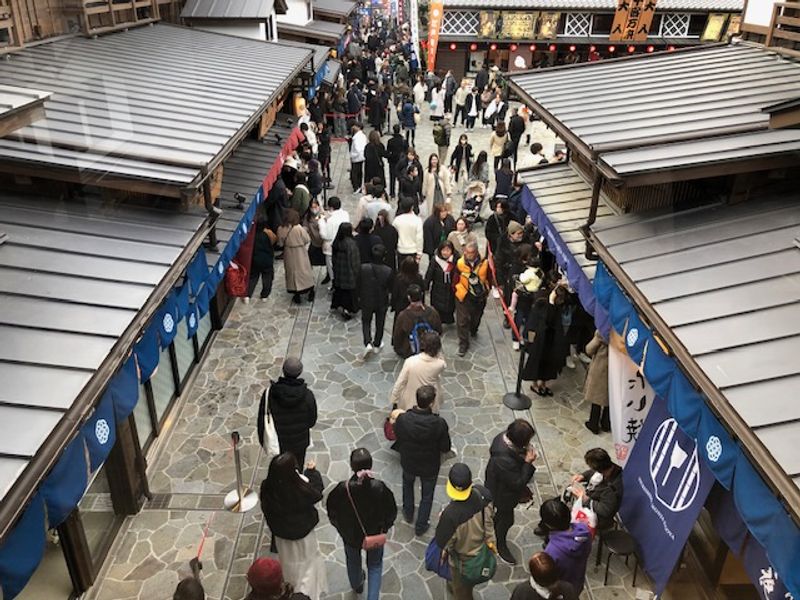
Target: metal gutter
<point x="18" y="497"/>
<point x="759" y="456"/>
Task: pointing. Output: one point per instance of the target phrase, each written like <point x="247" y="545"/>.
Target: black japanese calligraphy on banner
<point x="632" y="20"/>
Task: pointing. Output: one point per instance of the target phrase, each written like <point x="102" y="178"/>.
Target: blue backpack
<point x="415" y="337"/>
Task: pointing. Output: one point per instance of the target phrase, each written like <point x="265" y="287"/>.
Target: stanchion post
<point x="241" y="499"/>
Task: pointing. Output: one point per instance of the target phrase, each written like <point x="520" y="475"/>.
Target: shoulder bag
<point x="270" y="444"/>
<point x="371" y="542"/>
<point x="481" y="567"/>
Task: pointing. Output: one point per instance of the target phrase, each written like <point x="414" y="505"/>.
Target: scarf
<point x="446" y="266"/>
<point x="542" y="591"/>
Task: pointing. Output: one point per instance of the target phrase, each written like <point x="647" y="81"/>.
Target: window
<point x="697" y="25"/>
<point x="674" y="25"/>
<point x="601" y="23"/>
<point x="460" y="22"/>
<point x="141" y="415"/>
<point x="203" y="331"/>
<point x="163" y="384"/>
<point x="577" y="24"/>
<point x="184" y="350"/>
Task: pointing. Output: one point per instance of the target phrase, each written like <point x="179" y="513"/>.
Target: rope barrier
<point x="506" y="311"/>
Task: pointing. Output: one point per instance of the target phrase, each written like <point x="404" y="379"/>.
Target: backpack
<point x="414" y="338"/>
<point x="439" y="135"/>
<point x="508" y="149"/>
<point x="481" y="567"/>
<point x="475" y="287"/>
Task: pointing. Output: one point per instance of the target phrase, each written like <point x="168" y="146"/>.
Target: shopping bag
<point x="236" y="280"/>
<point x="436" y="561"/>
<point x="584" y="514"/>
<point x="267" y="435"/>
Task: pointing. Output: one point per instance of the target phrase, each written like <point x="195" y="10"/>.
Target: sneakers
<point x="571" y="363"/>
<point x="584" y="358"/>
<point x="246" y="299"/>
<point x="515" y="346"/>
<point x="367" y="351"/>
<point x="504" y="553"/>
<point x="378" y="348"/>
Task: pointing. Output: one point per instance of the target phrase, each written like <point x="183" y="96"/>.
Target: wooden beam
<point x="785" y="119"/>
<point x="20" y="119"/>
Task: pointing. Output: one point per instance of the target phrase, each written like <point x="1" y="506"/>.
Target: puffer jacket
<point x="294" y="410"/>
<point x="289" y="510"/>
<point x="421" y="438"/>
<point x="376" y="508"/>
<point x="464" y="269"/>
<point x="570" y="549"/>
<point x="507" y="473"/>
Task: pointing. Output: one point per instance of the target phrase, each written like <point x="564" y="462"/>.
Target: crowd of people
<point x="374" y="264"/>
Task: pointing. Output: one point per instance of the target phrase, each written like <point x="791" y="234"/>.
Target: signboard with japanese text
<point x="666" y="485"/>
<point x="548" y="25"/>
<point x="630" y="398"/>
<point x="435" y="16"/>
<point x="491" y="21"/>
<point x="414" y="20"/>
<point x="714" y="27"/>
<point x="734" y="26"/>
<point x="518" y="25"/>
<point x="632" y="20"/>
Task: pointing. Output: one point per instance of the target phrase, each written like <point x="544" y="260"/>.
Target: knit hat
<point x="292" y="367"/>
<point x="514" y="227"/>
<point x="265" y="576"/>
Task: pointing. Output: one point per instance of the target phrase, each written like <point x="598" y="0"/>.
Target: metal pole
<point x="241" y="499"/>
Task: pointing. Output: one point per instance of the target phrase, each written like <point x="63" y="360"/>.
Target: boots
<point x="605" y="420"/>
<point x="593" y="424"/>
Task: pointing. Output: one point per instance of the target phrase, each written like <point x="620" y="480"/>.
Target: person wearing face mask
<point x="461" y="159"/>
<point x="600" y="487"/>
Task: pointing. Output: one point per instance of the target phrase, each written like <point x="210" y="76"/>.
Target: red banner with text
<point x="435" y="16"/>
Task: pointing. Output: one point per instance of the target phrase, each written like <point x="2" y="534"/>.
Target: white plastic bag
<point x="584" y="514"/>
<point x="269" y="442"/>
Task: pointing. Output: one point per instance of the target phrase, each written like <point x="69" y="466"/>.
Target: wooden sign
<point x="714" y="27"/>
<point x="548" y="25"/>
<point x="734" y="26"/>
<point x="632" y="20"/>
<point x="487" y="27"/>
<point x="518" y="25"/>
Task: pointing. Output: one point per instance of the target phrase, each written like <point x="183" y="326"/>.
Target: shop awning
<point x="225" y="9"/>
<point x="670" y="116"/>
<point x="720" y="287"/>
<point x="557" y="198"/>
<point x="150" y="109"/>
<point x="340" y="9"/>
<point x="324" y="31"/>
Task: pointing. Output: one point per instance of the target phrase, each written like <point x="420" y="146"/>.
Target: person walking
<point x="409" y="114"/>
<point x="440" y="280"/>
<point x="508" y="472"/>
<point x="422" y="438"/>
<point x="482" y="78"/>
<point x="465" y="526"/>
<point x="435" y="186"/>
<point x="436" y="228"/>
<point x="374" y="284"/>
<point x="450" y="87"/>
<point x="423" y="368"/>
<point x="472" y="108"/>
<point x="569" y="544"/>
<point x="437" y="102"/>
<point x="346" y="269"/>
<point x="503" y="180"/>
<point x="497" y="143"/>
<point x="366" y="240"/>
<point x="409" y="183"/>
<point x="471" y="292"/>
<point x="412" y="322"/>
<point x="374" y="153"/>
<point x="388" y="234"/>
<point x="497" y="225"/>
<point x="328" y="228"/>
<point x="265" y="577"/>
<point x="544" y="583"/>
<point x="288" y="502"/>
<point x="359" y="507"/>
<point x="460" y="98"/>
<point x="480" y="169"/>
<point x="293" y="408"/>
<point x="516" y="129"/>
<point x="297" y="265"/>
<point x="409" y="231"/>
<point x="407" y="275"/>
<point x="358" y="144"/>
<point x="396" y="148"/>
<point x="461" y="236"/>
<point x="595" y="389"/>
<point x="461" y="159"/>
<point x="262" y="265"/>
<point x="441" y="137"/>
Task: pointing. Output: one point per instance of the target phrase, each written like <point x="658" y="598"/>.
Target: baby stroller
<point x="473" y="202"/>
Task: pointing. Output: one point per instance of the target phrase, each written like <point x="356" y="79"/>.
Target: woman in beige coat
<point x="295" y="241"/>
<point x="435" y="173"/>
<point x="420" y="369"/>
<point x="595" y="389"/>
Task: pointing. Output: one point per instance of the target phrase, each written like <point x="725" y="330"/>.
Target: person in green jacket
<point x="301" y="196"/>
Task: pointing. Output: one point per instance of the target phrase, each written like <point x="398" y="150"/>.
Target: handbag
<point x="388" y="430"/>
<point x="370" y="541"/>
<point x="437" y="562"/>
<point x="481" y="567"/>
<point x="270" y="442"/>
<point x="236" y="280"/>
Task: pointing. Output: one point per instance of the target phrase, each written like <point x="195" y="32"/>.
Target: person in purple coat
<point x="569" y="544"/>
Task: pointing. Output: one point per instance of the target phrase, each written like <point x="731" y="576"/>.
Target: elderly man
<point x="471" y="292"/>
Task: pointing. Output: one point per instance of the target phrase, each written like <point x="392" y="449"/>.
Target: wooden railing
<point x="11" y="36"/>
<point x="785" y="25"/>
<point x="102" y="16"/>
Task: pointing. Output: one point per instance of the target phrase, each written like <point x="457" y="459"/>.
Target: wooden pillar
<point x="126" y="477"/>
<point x="77" y="552"/>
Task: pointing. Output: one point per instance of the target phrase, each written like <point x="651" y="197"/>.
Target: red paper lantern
<point x="650" y="48"/>
<point x="552" y="47"/>
<point x="572" y="48"/>
<point x="612" y="48"/>
<point x="493" y="47"/>
<point x="514" y="47"/>
<point x="533" y="47"/>
<point x="631" y="49"/>
<point x="452" y="46"/>
<point x="670" y="48"/>
<point x="473" y="47"/>
<point x="593" y="48"/>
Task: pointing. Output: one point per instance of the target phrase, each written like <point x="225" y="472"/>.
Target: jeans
<point x="374" y="569"/>
<point x="366" y="325"/>
<point x="267" y="275"/>
<point x="425" y="501"/>
<point x="471" y="121"/>
<point x="497" y="161"/>
<point x="392" y="180"/>
<point x="460" y="110"/>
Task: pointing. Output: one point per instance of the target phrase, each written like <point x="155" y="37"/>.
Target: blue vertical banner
<point x="666" y="485"/>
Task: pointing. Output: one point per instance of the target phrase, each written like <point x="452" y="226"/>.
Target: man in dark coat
<point x="516" y="127"/>
<point x="262" y="263"/>
<point x="482" y="78"/>
<point x="374" y="285"/>
<point x="396" y="148"/>
<point x="508" y="472"/>
<point x="377" y="511"/>
<point x="422" y="437"/>
<point x="294" y="409"/>
<point x="406" y="319"/>
<point x="355" y="101"/>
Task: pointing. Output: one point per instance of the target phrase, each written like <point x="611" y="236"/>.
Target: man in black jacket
<point x="516" y="127"/>
<point x="508" y="472"/>
<point x="362" y="506"/>
<point x="374" y="285"/>
<point x="396" y="148"/>
<point x="600" y="487"/>
<point x="422" y="437"/>
<point x="293" y="408"/>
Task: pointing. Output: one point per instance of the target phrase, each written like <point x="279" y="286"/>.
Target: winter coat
<point x="376" y="507"/>
<point x="516" y="127"/>
<point x="374" y="285"/>
<point x="346" y="265"/>
<point x="595" y="390"/>
<point x="441" y="282"/>
<point x="496" y="144"/>
<point x="460" y="154"/>
<point x="422" y="437"/>
<point x="301" y="198"/>
<point x="418" y="370"/>
<point x="606" y="497"/>
<point x="570" y="550"/>
<point x="507" y="473"/>
<point x="365" y="242"/>
<point x="437" y="103"/>
<point x="404" y="323"/>
<point x="299" y="274"/>
<point x="465" y="526"/>
<point x="544" y="339"/>
<point x="407" y="116"/>
<point x="358" y="145"/>
<point x="435" y="231"/>
<point x="464" y="269"/>
<point x="400" y="291"/>
<point x="429" y="188"/>
<point x="329" y="227"/>
<point x="482" y="175"/>
<point x="373" y="162"/>
<point x="263" y="255"/>
<point x="503" y="182"/>
<point x="561" y="591"/>
<point x="294" y="412"/>
<point x="496" y="226"/>
<point x="388" y="235"/>
<point x="482" y="79"/>
<point x="396" y="148"/>
<point x="461" y="239"/>
<point x="355" y="99"/>
<point x="289" y="510"/>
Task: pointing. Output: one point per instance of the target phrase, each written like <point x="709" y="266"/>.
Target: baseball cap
<point x="265" y="576"/>
<point x="459" y="482"/>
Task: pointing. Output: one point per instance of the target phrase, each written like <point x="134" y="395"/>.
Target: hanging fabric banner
<point x="666" y="485"/>
<point x="22" y="549"/>
<point x="197" y="271"/>
<point x="413" y="19"/>
<point x="124" y="388"/>
<point x="167" y="319"/>
<point x="66" y="483"/>
<point x="147" y="351"/>
<point x="435" y="16"/>
<point x="100" y="432"/>
<point x="629" y="396"/>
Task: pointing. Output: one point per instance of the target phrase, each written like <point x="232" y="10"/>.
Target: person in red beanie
<point x="265" y="577"/>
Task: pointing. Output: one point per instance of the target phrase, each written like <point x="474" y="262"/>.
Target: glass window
<point x="601" y="23"/>
<point x="203" y="330"/>
<point x="184" y="349"/>
<point x="97" y="515"/>
<point x="163" y="384"/>
<point x="141" y="414"/>
<point x="697" y="24"/>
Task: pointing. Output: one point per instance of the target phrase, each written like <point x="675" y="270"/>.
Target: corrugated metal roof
<point x="341" y="8"/>
<point x="726" y="280"/>
<point x="227" y="9"/>
<point x="324" y="30"/>
<point x="156" y="103"/>
<point x="321" y="53"/>
<point x="650" y="103"/>
<point x="672" y="5"/>
<point x="332" y="74"/>
<point x="73" y="276"/>
<point x="13" y="99"/>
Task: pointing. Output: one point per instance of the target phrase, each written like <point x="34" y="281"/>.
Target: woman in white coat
<point x="437" y="103"/>
<point x="420" y="369"/>
<point x="436" y="186"/>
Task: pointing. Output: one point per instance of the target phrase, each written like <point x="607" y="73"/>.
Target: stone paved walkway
<point x="191" y="467"/>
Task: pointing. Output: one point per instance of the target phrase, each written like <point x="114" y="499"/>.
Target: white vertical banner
<point x="413" y="19"/>
<point x="629" y="397"/>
